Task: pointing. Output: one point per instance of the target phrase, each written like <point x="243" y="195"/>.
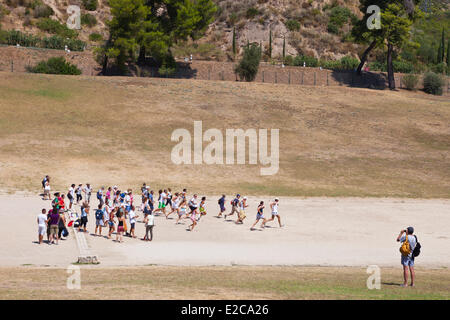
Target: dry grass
<point x="333" y="141"/>
<point x="158" y="282"/>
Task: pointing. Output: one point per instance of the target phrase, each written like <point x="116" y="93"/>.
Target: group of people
<point x="116" y="207"/>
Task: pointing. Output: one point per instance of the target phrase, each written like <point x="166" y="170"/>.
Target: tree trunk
<point x="141" y="58"/>
<point x="390" y="67"/>
<point x="364" y="57"/>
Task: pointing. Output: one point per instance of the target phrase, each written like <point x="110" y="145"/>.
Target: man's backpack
<point x="405" y="248"/>
<point x="417" y="248"/>
<point x="99" y="195"/>
<point x="99" y="214"/>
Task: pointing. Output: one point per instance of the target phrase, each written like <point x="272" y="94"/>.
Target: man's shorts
<point x="161" y="205"/>
<point x="42" y="230"/>
<point x="54" y="229"/>
<point x="99" y="222"/>
<point x="407" y="261"/>
<point x="222" y="208"/>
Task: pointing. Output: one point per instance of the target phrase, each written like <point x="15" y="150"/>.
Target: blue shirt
<point x="412" y="242"/>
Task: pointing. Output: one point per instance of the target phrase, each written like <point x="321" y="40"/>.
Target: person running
<point x="42" y="221"/>
<point x="54" y="221"/>
<point x="241" y="215"/>
<point x="99" y="220"/>
<point x="84" y="217"/>
<point x="174" y="204"/>
<point x="234" y="206"/>
<point x="274" y="208"/>
<point x="150" y="200"/>
<point x="193" y="206"/>
<point x="132" y="216"/>
<point x="47" y="190"/>
<point x="149" y="224"/>
<point x="111" y="222"/>
<point x="407" y="259"/>
<point x="202" y="208"/>
<point x="259" y="216"/>
<point x="168" y="197"/>
<point x="161" y="202"/>
<point x="183" y="210"/>
<point x="78" y="192"/>
<point x="193" y="219"/>
<point x="71" y="195"/>
<point x="221" y="203"/>
<point x="87" y="192"/>
<point x="120" y="228"/>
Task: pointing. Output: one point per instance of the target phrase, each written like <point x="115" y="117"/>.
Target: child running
<point x="259" y="216"/>
<point x="202" y="208"/>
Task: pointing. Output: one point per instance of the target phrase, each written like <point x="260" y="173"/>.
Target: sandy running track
<point x="318" y="231"/>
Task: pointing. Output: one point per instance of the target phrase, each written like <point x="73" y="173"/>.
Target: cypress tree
<point x="439" y="53"/>
<point x="443" y="46"/>
<point x="448" y="53"/>
<point x="284" y="48"/>
<point x="270" y="44"/>
<point x="234" y="42"/>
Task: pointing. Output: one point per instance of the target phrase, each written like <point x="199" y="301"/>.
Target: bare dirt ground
<point x="317" y="231"/>
<point x="334" y="141"/>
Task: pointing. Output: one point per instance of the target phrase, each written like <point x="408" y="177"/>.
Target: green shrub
<point x="88" y="20"/>
<point x="292" y="25"/>
<point x="410" y="81"/>
<point x="310" y="61"/>
<point x="42" y="11"/>
<point x="348" y="63"/>
<point x="14" y="37"/>
<point x="55" y="27"/>
<point x="247" y="69"/>
<point x="433" y="83"/>
<point x="168" y="66"/>
<point x="96" y="37"/>
<point x="55" y="65"/>
<point x="90" y="5"/>
<point x="440" y="68"/>
<point x="251" y="13"/>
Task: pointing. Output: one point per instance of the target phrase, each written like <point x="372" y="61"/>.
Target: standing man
<point x="42" y="221"/>
<point x="409" y="242"/>
<point x="71" y="195"/>
<point x="99" y="220"/>
<point x="87" y="192"/>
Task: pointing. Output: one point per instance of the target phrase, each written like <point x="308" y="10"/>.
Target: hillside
<point x="252" y="19"/>
<point x="117" y="130"/>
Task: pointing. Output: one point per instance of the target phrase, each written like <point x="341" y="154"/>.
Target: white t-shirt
<point x="42" y="218"/>
<point x="47" y="186"/>
<point x="132" y="216"/>
<point x="87" y="190"/>
<point x="128" y="199"/>
<point x="71" y="191"/>
<point x="151" y="220"/>
<point x="163" y="197"/>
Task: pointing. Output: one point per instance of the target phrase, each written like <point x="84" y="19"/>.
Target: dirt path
<point x="317" y="231"/>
